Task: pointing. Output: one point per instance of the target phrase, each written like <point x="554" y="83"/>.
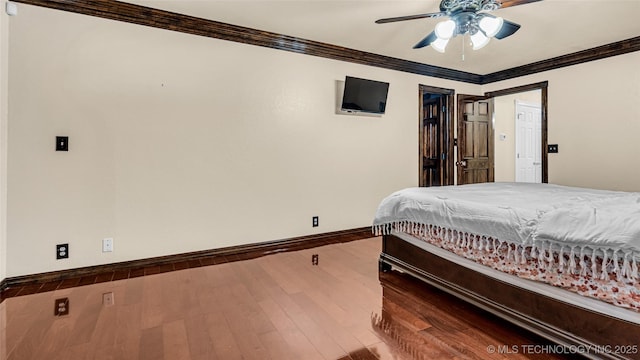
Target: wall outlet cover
<point x="62" y="251"/>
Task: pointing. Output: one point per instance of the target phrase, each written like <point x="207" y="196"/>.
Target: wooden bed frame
<point x="560" y="322"/>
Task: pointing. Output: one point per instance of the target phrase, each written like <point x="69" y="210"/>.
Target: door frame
<point x="542" y="86"/>
<point x="448" y="135"/>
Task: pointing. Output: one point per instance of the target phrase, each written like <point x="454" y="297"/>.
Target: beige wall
<point x="181" y="143"/>
<point x="594" y="119"/>
<point x="4" y="96"/>
<point x="504" y="123"/>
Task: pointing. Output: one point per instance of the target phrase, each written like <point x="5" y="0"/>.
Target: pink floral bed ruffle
<point x="608" y="277"/>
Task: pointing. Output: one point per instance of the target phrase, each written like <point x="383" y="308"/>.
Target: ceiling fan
<point x="466" y="16"/>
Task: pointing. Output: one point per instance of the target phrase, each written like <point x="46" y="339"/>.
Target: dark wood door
<point x="432" y="142"/>
<point x="475" y="139"/>
<point x="435" y="143"/>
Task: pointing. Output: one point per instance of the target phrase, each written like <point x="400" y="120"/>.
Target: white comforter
<point x="521" y="213"/>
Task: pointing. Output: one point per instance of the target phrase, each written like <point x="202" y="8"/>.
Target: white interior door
<point x="528" y="142"/>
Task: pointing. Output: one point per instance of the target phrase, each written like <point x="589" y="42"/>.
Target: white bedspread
<point x="522" y="213"/>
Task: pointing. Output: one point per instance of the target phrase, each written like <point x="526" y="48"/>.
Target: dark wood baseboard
<point x="49" y="281"/>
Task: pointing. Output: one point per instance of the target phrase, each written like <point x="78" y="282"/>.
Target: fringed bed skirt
<point x="605" y="274"/>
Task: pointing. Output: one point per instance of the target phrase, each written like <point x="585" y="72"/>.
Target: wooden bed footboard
<point x="603" y="336"/>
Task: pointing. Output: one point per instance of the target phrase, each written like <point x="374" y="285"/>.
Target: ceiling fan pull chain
<point x="464" y="40"/>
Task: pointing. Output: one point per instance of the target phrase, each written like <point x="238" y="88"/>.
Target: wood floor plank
<point x="152" y="344"/>
<point x="133" y="292"/>
<point x="3" y="330"/>
<point x="74" y="352"/>
<point x="56" y="338"/>
<point x="278" y="268"/>
<point x="319" y="337"/>
<point x="86" y="314"/>
<point x="255" y="278"/>
<point x="299" y="344"/>
<point x="245" y="333"/>
<point x="153" y="301"/>
<point x="248" y="308"/>
<point x="128" y="322"/>
<point x="175" y="341"/>
<point x="126" y="350"/>
<point x="198" y="338"/>
<point x="224" y="343"/>
<point x="345" y="339"/>
<point x="276" y="346"/>
<point x="32" y="340"/>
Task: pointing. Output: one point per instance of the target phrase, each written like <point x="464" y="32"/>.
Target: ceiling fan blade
<point x="509" y="3"/>
<point x="426" y="41"/>
<point x="410" y="17"/>
<point x="508" y="29"/>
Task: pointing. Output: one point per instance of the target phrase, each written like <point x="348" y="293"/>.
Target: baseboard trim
<point x="42" y="282"/>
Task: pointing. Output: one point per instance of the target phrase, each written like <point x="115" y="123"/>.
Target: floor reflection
<point x="280" y="306"/>
<point x="420" y="322"/>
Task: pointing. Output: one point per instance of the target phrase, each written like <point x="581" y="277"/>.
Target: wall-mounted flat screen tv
<point x="362" y="95"/>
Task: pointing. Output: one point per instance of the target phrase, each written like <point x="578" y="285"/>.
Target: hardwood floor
<point x="280" y="306"/>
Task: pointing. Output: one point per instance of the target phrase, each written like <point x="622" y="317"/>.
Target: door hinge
<point x="444" y="109"/>
<point x="444" y="156"/>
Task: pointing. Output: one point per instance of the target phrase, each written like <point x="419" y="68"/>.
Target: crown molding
<point x="146" y="16"/>
<point x="597" y="53"/>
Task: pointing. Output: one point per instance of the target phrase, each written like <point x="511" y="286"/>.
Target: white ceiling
<point x="550" y="28"/>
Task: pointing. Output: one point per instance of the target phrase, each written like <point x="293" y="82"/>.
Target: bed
<point x="559" y="261"/>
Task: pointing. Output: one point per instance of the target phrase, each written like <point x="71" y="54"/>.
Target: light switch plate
<point x="62" y="143"/>
<point x="107" y="245"/>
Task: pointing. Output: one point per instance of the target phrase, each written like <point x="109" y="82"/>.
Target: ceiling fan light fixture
<point x="445" y="29"/>
<point x="440" y="44"/>
<point x="491" y="25"/>
<point x="465" y="17"/>
<point x="479" y="40"/>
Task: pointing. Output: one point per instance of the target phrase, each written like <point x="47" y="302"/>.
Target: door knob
<point x="462" y="163"/>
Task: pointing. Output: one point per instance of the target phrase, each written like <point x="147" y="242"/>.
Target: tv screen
<point x="362" y="95"/>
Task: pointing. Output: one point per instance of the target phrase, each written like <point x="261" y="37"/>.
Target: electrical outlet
<point x="62" y="251"/>
<point x="108" y="299"/>
<point x="553" y="148"/>
<point x="315" y="221"/>
<point x="61" y="307"/>
<point x="107" y="245"/>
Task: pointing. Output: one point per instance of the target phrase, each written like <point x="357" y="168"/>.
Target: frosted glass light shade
<point x="440" y="44"/>
<point x="479" y="40"/>
<point x="445" y="29"/>
<point x="491" y="25"/>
